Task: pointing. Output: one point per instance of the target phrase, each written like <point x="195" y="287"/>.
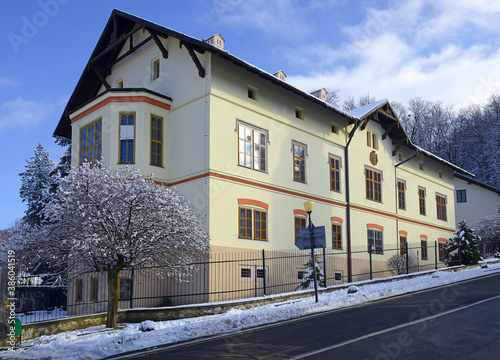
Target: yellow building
<point x="247" y="148"/>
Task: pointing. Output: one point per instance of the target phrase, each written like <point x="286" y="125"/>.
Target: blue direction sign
<point x="304" y="240"/>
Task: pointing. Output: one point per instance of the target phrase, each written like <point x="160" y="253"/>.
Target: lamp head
<point x="309" y="206"/>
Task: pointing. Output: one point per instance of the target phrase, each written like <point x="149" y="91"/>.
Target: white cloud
<point x="432" y="49"/>
<point x="278" y="17"/>
<point x="7" y="82"/>
<point x="24" y="113"/>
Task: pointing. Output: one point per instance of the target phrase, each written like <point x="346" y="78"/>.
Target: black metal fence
<point x="232" y="276"/>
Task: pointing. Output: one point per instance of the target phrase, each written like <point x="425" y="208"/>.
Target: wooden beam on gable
<point x="387" y="115"/>
<point x="398" y="143"/>
<point x="190" y="49"/>
<point x="97" y="71"/>
<point x="114" y="44"/>
<point x="388" y="130"/>
<point x="158" y="43"/>
<point x="133" y="49"/>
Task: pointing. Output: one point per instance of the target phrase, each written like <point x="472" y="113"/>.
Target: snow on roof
<point x="435" y="157"/>
<point x="364" y="110"/>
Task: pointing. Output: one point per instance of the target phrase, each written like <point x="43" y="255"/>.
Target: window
<point x="252" y="145"/>
<point x="127" y="135"/>
<point x="299" y="113"/>
<point x="421" y="165"/>
<point x="300" y="223"/>
<point x="79" y="290"/>
<point x="441" y="207"/>
<point x="400" y="156"/>
<point x="440" y="174"/>
<point x="245" y="272"/>
<point x="119" y="84"/>
<point x="94" y="288"/>
<point x="421" y="200"/>
<point x="371" y="140"/>
<point x="336" y="236"/>
<point x="300" y="274"/>
<point x="334" y="174"/>
<point x="423" y="248"/>
<point x="441" y="246"/>
<point x="155" y="69"/>
<point x="461" y="196"/>
<point x="252" y="272"/>
<point x="335" y="128"/>
<point x="90" y="142"/>
<point x="125" y="288"/>
<point x="252" y="92"/>
<point x="260" y="225"/>
<point x="246" y="225"/>
<point x="401" y="195"/>
<point x="375" y="241"/>
<point x="373" y="185"/>
<point x="156" y="140"/>
<point x="299" y="162"/>
<point x="403" y="245"/>
<point x="337" y="276"/>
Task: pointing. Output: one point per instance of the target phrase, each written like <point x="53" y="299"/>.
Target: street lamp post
<point x="308" y="207"/>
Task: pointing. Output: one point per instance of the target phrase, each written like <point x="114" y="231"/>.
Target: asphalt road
<point x="457" y="321"/>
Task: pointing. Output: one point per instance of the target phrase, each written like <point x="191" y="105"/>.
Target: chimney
<point x="320" y="94"/>
<point x="216" y="40"/>
<point x="280" y="75"/>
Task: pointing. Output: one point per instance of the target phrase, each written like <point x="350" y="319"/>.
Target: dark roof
<point x="476" y="182"/>
<point x="118" y="28"/>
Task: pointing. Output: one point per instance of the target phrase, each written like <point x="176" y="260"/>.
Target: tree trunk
<point x="112" y="319"/>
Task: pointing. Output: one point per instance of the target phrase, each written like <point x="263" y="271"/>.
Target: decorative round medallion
<point x="373" y="158"/>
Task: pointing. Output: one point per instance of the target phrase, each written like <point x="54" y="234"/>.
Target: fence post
<point x="370" y="252"/>
<point x="132" y="288"/>
<point x="264" y="270"/>
<point x="324" y="268"/>
<point x="436" y="254"/>
<point x="407" y="258"/>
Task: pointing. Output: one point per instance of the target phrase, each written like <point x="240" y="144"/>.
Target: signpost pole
<point x="313" y="259"/>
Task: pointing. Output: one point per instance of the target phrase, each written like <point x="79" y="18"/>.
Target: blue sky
<point x="435" y="49"/>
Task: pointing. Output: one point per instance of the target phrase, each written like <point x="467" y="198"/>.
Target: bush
<point x="463" y="247"/>
<point x="166" y="301"/>
<point x="396" y="264"/>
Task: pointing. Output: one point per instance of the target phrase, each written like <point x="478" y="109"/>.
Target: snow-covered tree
<point x="463" y="247"/>
<point x="396" y="264"/>
<point x="64" y="166"/>
<point x="108" y="220"/>
<point x="39" y="183"/>
<point x="488" y="228"/>
<point x="308" y="276"/>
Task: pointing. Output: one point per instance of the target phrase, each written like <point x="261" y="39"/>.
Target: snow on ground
<point x="99" y="342"/>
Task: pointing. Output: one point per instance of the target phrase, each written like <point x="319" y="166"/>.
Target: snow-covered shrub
<point x="396" y="264"/>
<point x="308" y="277"/>
<point x="147" y="325"/>
<point x="352" y="289"/>
<point x="463" y="247"/>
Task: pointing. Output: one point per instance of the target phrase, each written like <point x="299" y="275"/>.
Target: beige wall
<point x="480" y="202"/>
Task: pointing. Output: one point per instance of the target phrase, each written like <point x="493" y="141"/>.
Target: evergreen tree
<point x="308" y="277"/>
<point x="463" y="247"/>
<point x="39" y="183"/>
<point x="64" y="166"/>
